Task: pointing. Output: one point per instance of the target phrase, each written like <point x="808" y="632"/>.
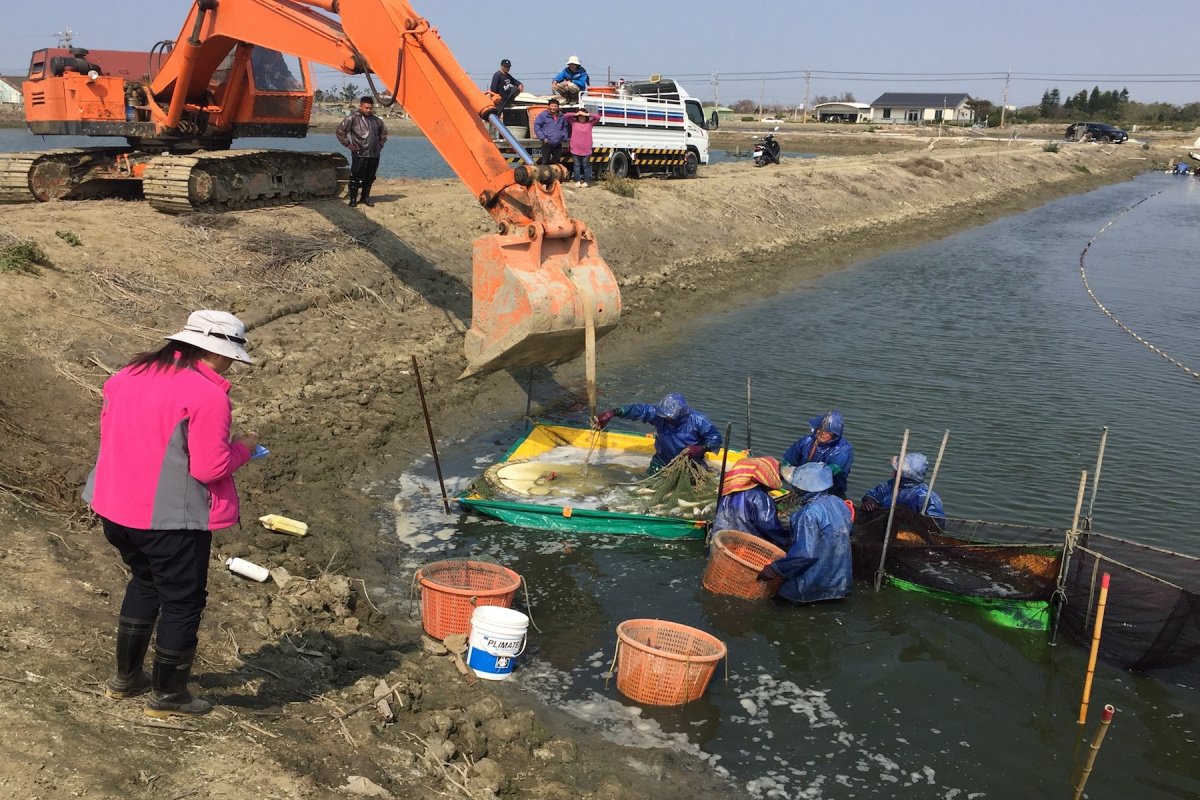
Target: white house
<point x="10" y="91"/>
<point x="918" y="108"/>
<point x="842" y="112"/>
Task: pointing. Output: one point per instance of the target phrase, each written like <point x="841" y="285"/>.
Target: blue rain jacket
<point x="579" y="78"/>
<point x="837" y="452"/>
<point x="817" y="565"/>
<point x="672" y="435"/>
<point x="912" y="494"/>
<point x="751" y="511"/>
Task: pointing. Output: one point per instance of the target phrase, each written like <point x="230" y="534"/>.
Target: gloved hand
<point x="694" y="451"/>
<point x="868" y="505"/>
<point x="605" y="418"/>
<point x="767" y="573"/>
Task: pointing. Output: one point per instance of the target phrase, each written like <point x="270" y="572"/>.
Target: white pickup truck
<point x="644" y="128"/>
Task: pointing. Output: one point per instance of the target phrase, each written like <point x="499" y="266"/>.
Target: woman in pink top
<point x="163" y="482"/>
<point x="581" y="144"/>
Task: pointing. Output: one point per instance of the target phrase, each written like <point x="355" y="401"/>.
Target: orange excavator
<point x="241" y="68"/>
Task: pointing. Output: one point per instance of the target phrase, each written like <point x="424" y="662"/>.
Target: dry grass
<point x="20" y="255"/>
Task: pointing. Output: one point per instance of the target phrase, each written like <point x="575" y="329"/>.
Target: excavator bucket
<point x="534" y="296"/>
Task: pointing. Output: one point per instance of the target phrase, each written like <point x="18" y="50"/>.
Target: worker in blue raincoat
<point x="831" y="449"/>
<point x="913" y="490"/>
<point x="817" y="563"/>
<point x="677" y="427"/>
<point x="745" y="503"/>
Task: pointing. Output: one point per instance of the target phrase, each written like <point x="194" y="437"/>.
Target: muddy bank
<point x="339" y="300"/>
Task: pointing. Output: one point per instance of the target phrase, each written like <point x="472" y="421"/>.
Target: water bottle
<point x="247" y="569"/>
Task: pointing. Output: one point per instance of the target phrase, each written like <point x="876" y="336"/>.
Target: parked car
<point x="1095" y="132"/>
<point x="771" y="120"/>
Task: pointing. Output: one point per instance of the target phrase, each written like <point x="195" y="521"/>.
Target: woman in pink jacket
<point x="581" y="144"/>
<point x="163" y="482"/>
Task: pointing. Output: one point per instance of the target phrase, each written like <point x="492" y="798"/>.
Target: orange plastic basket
<point x="734" y="562"/>
<point x="663" y="663"/>
<point x="450" y="591"/>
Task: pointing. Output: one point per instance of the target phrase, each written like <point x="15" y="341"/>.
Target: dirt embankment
<point x="339" y="300"/>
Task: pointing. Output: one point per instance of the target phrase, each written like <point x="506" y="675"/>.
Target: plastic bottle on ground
<point x="247" y="569"/>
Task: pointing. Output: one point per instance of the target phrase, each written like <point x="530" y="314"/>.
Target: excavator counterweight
<point x="240" y="68"/>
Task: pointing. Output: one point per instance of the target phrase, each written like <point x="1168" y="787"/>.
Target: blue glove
<point x="259" y="452"/>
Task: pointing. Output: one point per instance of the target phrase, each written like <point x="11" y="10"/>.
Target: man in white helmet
<point x="571" y="81"/>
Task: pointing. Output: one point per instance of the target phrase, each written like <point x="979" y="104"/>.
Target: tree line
<point x="1107" y="106"/>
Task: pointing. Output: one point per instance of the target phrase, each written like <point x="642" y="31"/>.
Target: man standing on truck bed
<point x="363" y="134"/>
<point x="550" y="128"/>
<point x="571" y="81"/>
<point x="505" y="85"/>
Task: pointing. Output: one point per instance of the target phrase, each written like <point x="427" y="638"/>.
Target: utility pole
<point x="807" y="87"/>
<point x="762" y="90"/>
<point x="1004" y="102"/>
<point x="64" y="38"/>
<point x="716" y="90"/>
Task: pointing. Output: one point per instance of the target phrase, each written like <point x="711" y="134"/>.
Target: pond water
<point x="989" y="334"/>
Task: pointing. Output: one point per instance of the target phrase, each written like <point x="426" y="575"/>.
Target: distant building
<point x="842" y="112"/>
<point x="724" y="113"/>
<point x="10" y="91"/>
<point x="914" y="108"/>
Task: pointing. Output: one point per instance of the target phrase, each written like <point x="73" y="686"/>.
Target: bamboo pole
<point x="437" y="465"/>
<point x="749" y="443"/>
<point x="887" y="534"/>
<point x="721" y="479"/>
<point x="1105" y="719"/>
<point x="936" y="466"/>
<point x="1096" y="478"/>
<point x="1091" y="669"/>
<point x="529" y="400"/>
<point x="1068" y="548"/>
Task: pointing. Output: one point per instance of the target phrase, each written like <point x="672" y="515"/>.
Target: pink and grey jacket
<point x="166" y="462"/>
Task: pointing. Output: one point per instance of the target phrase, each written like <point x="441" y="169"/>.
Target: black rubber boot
<point x="170" y="695"/>
<point x="366" y="196"/>
<point x="353" y="196"/>
<point x="133" y="638"/>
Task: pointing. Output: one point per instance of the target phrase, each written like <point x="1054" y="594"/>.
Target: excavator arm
<point x="539" y="287"/>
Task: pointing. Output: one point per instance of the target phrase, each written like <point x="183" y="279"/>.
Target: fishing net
<point x="683" y="488"/>
<point x="1152" y="614"/>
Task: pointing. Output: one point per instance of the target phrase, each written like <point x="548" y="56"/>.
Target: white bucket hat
<point x="573" y="60"/>
<point x="215" y="331"/>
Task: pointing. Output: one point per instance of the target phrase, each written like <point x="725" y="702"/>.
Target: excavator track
<point x="65" y="174"/>
<point x="230" y="180"/>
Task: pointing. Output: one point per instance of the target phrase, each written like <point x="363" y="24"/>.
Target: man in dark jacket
<point x="363" y="134"/>
<point x="677" y="428"/>
<point x="505" y="85"/>
<point x="551" y="129"/>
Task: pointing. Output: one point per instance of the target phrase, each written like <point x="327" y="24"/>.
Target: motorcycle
<point x="766" y="151"/>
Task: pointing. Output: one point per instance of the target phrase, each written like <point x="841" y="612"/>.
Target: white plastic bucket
<point x="498" y="636"/>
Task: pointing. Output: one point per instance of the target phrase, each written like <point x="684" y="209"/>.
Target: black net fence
<point x="1152" y="613"/>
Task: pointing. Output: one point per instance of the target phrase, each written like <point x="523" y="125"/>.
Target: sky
<point x="757" y="49"/>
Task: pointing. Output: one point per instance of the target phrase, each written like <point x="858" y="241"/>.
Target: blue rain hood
<point x="672" y="407"/>
<point x="835" y="425"/>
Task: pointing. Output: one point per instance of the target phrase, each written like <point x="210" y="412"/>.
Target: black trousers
<point x="170" y="575"/>
<point x="362" y="171"/>
<point x="551" y="154"/>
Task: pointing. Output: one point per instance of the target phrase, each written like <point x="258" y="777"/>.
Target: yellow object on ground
<point x="274" y="522"/>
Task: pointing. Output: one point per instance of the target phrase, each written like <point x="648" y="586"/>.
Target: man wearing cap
<point x="572" y="80"/>
<point x="551" y="128"/>
<point x="678" y="429"/>
<point x="913" y="490"/>
<point x="505" y="85"/>
<point x="163" y="482"/>
<point x="817" y="564"/>
<point x="824" y="443"/>
<point x="364" y="135"/>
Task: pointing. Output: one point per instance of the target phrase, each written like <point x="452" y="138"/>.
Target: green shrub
<point x="620" y="186"/>
<point x="22" y="255"/>
<point x="1050" y="147"/>
<point x="747" y="119"/>
<point x="69" y="238"/>
<point x="1081" y="169"/>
